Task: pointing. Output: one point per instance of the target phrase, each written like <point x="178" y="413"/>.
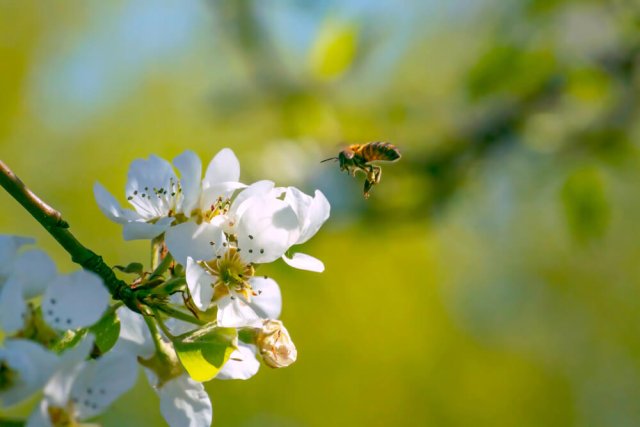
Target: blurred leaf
<point x="510" y="70"/>
<point x="585" y="204"/>
<point x="107" y="331"/>
<point x="334" y="50"/>
<point x="204" y="351"/>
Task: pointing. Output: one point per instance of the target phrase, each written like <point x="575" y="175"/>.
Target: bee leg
<point x="377" y="174"/>
<point x="373" y="174"/>
<point x="367" y="187"/>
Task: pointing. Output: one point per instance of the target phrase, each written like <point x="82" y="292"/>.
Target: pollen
<point x="232" y="273"/>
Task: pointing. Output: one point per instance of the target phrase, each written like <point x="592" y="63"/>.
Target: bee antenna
<point x="330" y="158"/>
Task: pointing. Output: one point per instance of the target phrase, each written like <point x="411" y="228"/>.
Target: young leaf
<point x="134" y="267"/>
<point x="203" y="352"/>
<point x="107" y="331"/>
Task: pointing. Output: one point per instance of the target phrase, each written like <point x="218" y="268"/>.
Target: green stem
<point x="164" y="328"/>
<point x="155" y="334"/>
<point x="180" y="315"/>
<point x="52" y="221"/>
<point x="160" y="267"/>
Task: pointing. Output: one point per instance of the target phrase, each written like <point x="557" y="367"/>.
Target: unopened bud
<point x="276" y="347"/>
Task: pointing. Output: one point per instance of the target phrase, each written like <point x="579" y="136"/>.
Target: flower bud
<point x="275" y="344"/>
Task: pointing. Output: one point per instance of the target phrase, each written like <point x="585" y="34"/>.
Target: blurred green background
<point x="493" y="278"/>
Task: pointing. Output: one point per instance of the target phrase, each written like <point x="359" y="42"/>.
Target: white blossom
<point x="82" y="389"/>
<point x="242" y="299"/>
<point x="25" y="367"/>
<point x="158" y="196"/>
<point x="23" y="276"/>
<point x="183" y="401"/>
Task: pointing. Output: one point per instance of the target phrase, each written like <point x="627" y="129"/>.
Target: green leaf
<point x="203" y="352"/>
<point x="334" y="50"/>
<point x="586" y="205"/>
<point x="107" y="331"/>
<point x="134" y="267"/>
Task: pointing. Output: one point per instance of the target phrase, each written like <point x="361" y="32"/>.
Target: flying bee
<point x="359" y="157"/>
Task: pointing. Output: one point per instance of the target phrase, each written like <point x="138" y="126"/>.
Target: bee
<point x="358" y="157"/>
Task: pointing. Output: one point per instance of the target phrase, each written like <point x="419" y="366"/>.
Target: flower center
<point x="220" y="207"/>
<point x="233" y="275"/>
<point x="61" y="417"/>
<point x="157" y="201"/>
<point x="7" y="376"/>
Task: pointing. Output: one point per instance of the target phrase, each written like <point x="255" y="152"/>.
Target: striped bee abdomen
<point x="380" y="150"/>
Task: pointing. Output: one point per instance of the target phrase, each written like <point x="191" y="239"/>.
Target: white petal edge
<point x="35" y="270"/>
<point x="9" y="246"/>
<point x="200" y="284"/>
<point x="268" y="302"/>
<point x="185" y="403"/>
<point x="13" y="307"/>
<point x="190" y="168"/>
<point x="241" y="365"/>
<point x="110" y="206"/>
<point x="224" y="167"/>
<point x="304" y="262"/>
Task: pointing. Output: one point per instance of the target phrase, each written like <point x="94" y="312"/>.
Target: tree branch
<point x="52" y="221"/>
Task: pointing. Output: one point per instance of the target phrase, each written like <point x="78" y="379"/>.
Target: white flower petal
<point x="138" y="230"/>
<point x="134" y="334"/>
<point x="192" y="240"/>
<point x="264" y="229"/>
<point x="34" y="269"/>
<point x="9" y="246"/>
<point x="70" y="363"/>
<point x="144" y="181"/>
<point x="241" y="365"/>
<point x="185" y="403"/>
<point x="190" y="167"/>
<point x="258" y="188"/>
<point x="200" y="284"/>
<point x="75" y="301"/>
<point x="304" y="262"/>
<point x="110" y="206"/>
<point x="39" y="417"/>
<point x="32" y="364"/>
<point x="234" y="313"/>
<point x="102" y="381"/>
<point x="312" y="212"/>
<point x="13" y="307"/>
<point x="268" y="303"/>
<point x="224" y="167"/>
<point x="178" y="327"/>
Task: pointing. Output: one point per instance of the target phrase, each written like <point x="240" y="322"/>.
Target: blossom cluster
<point x="201" y="310"/>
